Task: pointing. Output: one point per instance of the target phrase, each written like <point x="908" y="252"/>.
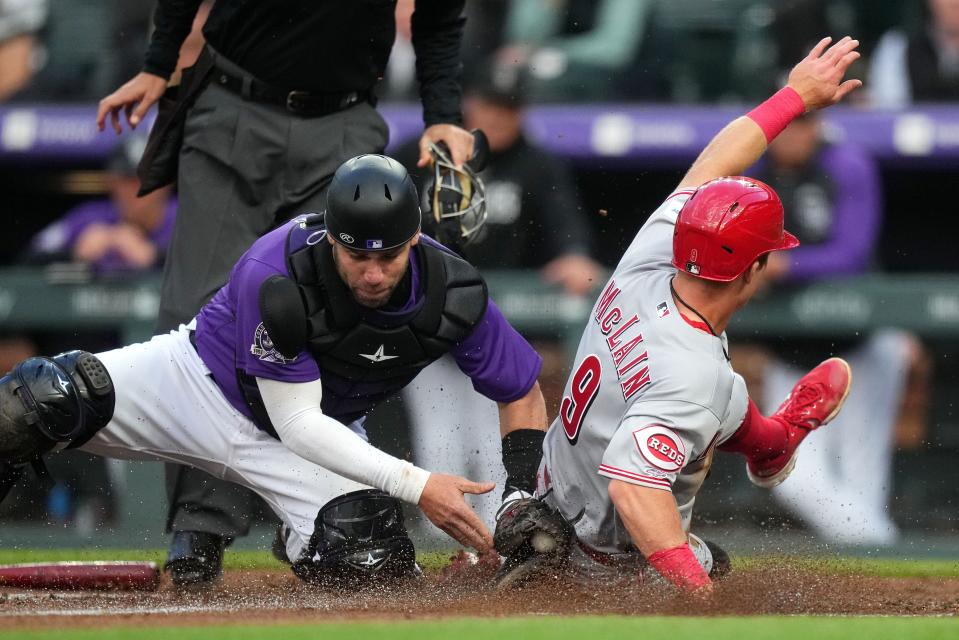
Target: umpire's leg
<point x="216" y="222"/>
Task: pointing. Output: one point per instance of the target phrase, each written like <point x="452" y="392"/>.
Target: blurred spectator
<point x="535" y="217"/>
<point x="399" y="83"/>
<point x="535" y="221"/>
<point x="122" y="232"/>
<point x="584" y="50"/>
<point x="484" y="33"/>
<point x="86" y="47"/>
<point x="843" y="477"/>
<point x="797" y="25"/>
<point x="20" y="20"/>
<point x="110" y="235"/>
<point x="127" y="36"/>
<point x="922" y="66"/>
<point x="703" y="40"/>
<point x="800" y="24"/>
<point x="482" y="36"/>
<point x="113" y="235"/>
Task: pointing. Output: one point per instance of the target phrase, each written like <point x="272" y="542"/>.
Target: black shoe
<point x="722" y="565"/>
<point x="195" y="558"/>
<point x="278" y="548"/>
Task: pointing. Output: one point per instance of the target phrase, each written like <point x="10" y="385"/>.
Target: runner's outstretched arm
<point x="815" y="83"/>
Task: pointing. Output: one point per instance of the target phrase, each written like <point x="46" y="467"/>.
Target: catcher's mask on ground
<point x="457" y="196"/>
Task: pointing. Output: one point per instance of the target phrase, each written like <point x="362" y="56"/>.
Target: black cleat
<point x="278" y="548"/>
<point x="195" y="558"/>
<point x="722" y="565"/>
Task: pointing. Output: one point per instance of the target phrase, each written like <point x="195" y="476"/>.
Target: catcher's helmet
<point x="371" y="204"/>
<point x="359" y="538"/>
<point x="725" y="225"/>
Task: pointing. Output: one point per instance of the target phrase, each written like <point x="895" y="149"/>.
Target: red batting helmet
<point x="725" y="225"/>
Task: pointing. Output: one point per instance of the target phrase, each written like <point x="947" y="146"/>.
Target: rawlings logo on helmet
<point x="347" y="238"/>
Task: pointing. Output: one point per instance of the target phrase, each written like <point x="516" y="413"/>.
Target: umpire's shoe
<point x="195" y="558"/>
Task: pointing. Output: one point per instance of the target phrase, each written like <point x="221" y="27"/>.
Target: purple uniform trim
<point x="499" y="361"/>
<point x="230" y="338"/>
<point x="857" y="217"/>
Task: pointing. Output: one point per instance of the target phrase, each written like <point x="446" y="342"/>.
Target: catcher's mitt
<point x="533" y="536"/>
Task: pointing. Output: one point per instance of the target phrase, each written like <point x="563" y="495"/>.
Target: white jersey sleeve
<point x="652" y="248"/>
<point x="294" y="410"/>
<point x="657" y="441"/>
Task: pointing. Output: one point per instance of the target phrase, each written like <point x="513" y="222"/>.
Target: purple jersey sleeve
<point x="856" y="218"/>
<point x="255" y="353"/>
<point x="499" y="361"/>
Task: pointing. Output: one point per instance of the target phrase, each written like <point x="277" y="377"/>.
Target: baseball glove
<point x="533" y="536"/>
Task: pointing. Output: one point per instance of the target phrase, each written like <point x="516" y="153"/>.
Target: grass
<point x="880" y="567"/>
<point x="780" y="628"/>
<point x="883" y="567"/>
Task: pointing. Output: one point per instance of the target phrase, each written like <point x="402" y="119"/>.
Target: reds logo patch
<point x="661" y="447"/>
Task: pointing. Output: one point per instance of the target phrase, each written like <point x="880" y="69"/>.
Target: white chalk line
<point x="121" y="611"/>
<point x="19" y="598"/>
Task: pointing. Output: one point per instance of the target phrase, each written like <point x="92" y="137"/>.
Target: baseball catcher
<point x="270" y="385"/>
<point x="652" y="395"/>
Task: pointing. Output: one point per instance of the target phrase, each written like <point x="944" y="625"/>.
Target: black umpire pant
<point x="245" y="168"/>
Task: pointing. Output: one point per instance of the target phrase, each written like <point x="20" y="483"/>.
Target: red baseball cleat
<point x="813" y="402"/>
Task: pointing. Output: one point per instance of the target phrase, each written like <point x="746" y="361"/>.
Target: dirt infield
<point x="273" y="596"/>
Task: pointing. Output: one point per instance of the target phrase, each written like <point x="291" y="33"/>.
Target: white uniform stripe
<point x="605" y="469"/>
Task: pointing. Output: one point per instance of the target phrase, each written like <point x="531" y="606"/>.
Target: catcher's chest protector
<point x="349" y="340"/>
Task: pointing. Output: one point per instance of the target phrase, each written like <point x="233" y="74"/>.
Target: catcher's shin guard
<point x="46" y="401"/>
<point x="359" y="539"/>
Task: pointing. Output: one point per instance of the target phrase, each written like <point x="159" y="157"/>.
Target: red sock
<point x="758" y="437"/>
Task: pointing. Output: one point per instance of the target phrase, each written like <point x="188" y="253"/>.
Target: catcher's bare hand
<point x="135" y="98"/>
<point x="458" y="140"/>
<point x="818" y="78"/>
<point x="442" y="502"/>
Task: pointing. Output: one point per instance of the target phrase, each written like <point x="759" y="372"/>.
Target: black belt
<point x="303" y="103"/>
<point x="193" y="338"/>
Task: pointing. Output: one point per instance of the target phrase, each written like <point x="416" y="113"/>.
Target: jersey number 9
<point x="584" y="386"/>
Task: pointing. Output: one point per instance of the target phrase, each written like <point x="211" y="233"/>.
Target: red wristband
<point x="777" y="112"/>
<point x="680" y="566"/>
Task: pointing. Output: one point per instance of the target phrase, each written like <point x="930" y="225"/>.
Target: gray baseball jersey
<point x="650" y="395"/>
